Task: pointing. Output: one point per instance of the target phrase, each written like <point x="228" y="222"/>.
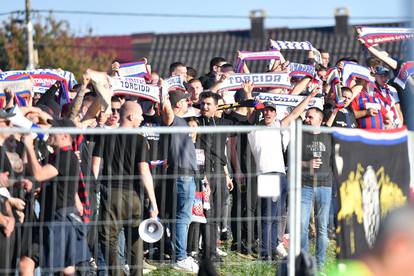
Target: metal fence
<point x="54" y="235"/>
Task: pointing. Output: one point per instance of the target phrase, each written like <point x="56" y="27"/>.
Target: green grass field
<point x="235" y="265"/>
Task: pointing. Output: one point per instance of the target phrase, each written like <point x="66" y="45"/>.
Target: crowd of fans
<point x="73" y="203"/>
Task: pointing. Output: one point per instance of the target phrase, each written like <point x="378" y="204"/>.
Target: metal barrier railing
<point x="248" y="224"/>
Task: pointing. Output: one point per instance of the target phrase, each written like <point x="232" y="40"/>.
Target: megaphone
<point x="150" y="230"/>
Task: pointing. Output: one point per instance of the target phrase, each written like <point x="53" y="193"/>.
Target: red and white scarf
<point x="406" y="70"/>
<point x="377" y="35"/>
<point x="139" y="68"/>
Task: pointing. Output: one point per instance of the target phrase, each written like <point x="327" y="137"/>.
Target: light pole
<point x="29" y="26"/>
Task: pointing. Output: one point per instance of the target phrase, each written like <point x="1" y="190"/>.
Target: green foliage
<point x="56" y="45"/>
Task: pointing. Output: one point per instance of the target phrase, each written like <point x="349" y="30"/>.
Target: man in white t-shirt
<point x="268" y="149"/>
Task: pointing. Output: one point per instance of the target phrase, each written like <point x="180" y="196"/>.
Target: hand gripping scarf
<point x="377" y="35"/>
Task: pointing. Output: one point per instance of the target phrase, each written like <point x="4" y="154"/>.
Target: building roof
<point x="197" y="48"/>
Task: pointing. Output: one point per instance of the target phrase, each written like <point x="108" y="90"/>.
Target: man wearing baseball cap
<point x="268" y="148"/>
<point x="181" y="171"/>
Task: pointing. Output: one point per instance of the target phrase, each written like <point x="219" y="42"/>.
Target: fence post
<point x="295" y="185"/>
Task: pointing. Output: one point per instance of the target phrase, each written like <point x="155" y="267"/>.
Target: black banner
<point x="372" y="173"/>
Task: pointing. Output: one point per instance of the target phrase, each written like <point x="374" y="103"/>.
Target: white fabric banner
<point x="271" y="80"/>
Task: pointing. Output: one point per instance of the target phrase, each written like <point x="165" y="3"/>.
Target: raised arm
<point x="298" y="109"/>
<point x="40" y="173"/>
<point x="381" y="54"/>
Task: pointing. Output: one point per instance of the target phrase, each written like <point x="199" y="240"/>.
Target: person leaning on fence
<point x="181" y="171"/>
<point x="7" y="221"/>
<point x="64" y="236"/>
<point x="268" y="150"/>
<point x="125" y="170"/>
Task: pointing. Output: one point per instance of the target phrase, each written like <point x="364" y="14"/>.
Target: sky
<point x="118" y="25"/>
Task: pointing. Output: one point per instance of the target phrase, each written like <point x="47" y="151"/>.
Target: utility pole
<point x="29" y="26"/>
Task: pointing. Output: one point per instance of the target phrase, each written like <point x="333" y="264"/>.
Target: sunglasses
<point x="115" y="110"/>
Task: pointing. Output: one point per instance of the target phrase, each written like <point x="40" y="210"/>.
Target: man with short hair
<point x="182" y="168"/>
<point x="392" y="252"/>
<point x="113" y="120"/>
<point x="268" y="148"/>
<point x="317" y="174"/>
<point x="343" y="116"/>
<point x="178" y="69"/>
<point x="64" y="237"/>
<point x="325" y="57"/>
<point x="209" y="79"/>
<point x="215" y="169"/>
<point x="195" y="88"/>
<point x="125" y="171"/>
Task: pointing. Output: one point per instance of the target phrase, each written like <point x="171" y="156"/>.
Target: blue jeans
<point x="274" y="220"/>
<point x="185" y="196"/>
<point x="322" y="197"/>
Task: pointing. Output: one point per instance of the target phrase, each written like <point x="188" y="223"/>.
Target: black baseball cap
<point x="270" y="104"/>
<point x="382" y="71"/>
<point x="177" y="95"/>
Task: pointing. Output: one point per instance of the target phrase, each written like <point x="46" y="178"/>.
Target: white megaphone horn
<point x="20" y="121"/>
<point x="151" y="230"/>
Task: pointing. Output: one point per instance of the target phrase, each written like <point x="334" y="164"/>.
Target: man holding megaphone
<point x="121" y="195"/>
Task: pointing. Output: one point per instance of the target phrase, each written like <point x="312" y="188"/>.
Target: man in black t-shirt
<point x="317" y="172"/>
<point x="215" y="168"/>
<point x="344" y="116"/>
<point x="64" y="234"/>
<point x="125" y="168"/>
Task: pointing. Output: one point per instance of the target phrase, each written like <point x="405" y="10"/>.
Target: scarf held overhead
<point x="262" y="55"/>
<point x="260" y="80"/>
<point x="295" y="45"/>
<point x="135" y="87"/>
<point x="377" y="35"/>
<point x="135" y="69"/>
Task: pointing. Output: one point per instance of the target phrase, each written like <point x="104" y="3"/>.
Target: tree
<point x="56" y="45"/>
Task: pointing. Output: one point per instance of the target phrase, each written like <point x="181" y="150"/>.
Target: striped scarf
<point x="135" y="87"/>
<point x="406" y="70"/>
<point x="301" y="70"/>
<point x="261" y="55"/>
<point x="334" y="80"/>
<point x="295" y="45"/>
<point x="377" y="35"/>
<point x="135" y="69"/>
<point x="21" y="87"/>
<point x="351" y="71"/>
<point x="271" y="80"/>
